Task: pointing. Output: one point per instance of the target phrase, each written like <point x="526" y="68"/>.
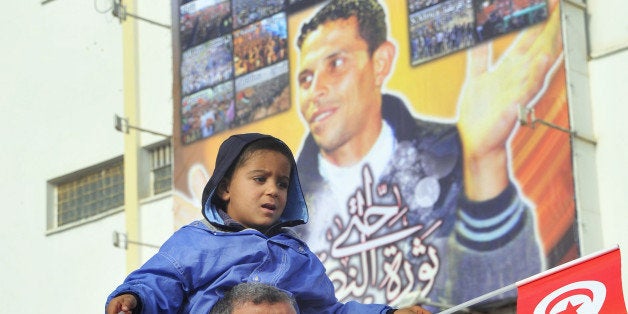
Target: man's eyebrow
<point x="336" y="53"/>
<point x="328" y="57"/>
<point x="304" y="72"/>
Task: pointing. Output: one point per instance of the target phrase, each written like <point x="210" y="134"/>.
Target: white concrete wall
<point x="60" y="87"/>
<point x="61" y="84"/>
<point x="608" y="70"/>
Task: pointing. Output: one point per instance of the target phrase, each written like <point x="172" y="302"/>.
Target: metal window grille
<point x="90" y="194"/>
<point x="162" y="168"/>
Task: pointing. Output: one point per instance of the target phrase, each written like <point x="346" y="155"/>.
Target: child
<point x="252" y="196"/>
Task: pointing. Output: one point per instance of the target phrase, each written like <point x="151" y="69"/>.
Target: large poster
<point x="403" y="115"/>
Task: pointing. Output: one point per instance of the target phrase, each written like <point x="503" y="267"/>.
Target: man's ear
<point x="383" y="58"/>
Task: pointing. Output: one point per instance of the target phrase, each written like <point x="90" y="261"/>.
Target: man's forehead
<point x="330" y="38"/>
<point x="264" y="308"/>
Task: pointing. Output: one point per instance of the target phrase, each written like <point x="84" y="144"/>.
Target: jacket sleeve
<point x="498" y="235"/>
<point x="164" y="282"/>
<point x="157" y="284"/>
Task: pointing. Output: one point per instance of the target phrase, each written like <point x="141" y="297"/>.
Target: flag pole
<point x="465" y="305"/>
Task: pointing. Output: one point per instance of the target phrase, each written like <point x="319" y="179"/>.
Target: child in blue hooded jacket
<point x="252" y="197"/>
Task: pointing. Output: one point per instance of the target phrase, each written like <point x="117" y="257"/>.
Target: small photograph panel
<point x="498" y="17"/>
<point x="246" y="12"/>
<point x="203" y="20"/>
<point x="261" y="44"/>
<point x="441" y="29"/>
<point x="262" y="93"/>
<point x="207" y="112"/>
<point x="206" y="65"/>
<point x="415" y="5"/>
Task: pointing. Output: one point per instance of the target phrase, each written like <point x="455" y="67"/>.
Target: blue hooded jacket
<point x="201" y="261"/>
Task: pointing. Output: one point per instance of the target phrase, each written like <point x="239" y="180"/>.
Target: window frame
<point x="52" y="219"/>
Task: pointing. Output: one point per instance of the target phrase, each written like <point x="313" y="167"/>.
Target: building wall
<point x="608" y="72"/>
<point x="61" y="85"/>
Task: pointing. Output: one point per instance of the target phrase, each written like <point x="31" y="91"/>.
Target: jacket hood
<point x="295" y="212"/>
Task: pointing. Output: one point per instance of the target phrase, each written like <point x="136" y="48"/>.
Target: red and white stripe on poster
<point x="591" y="284"/>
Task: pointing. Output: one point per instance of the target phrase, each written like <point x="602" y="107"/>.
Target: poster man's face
<point x="338" y="94"/>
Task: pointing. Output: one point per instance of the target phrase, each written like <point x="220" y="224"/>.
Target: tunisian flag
<point x="591" y="284"/>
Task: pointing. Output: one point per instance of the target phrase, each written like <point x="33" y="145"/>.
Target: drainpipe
<point x="131" y="139"/>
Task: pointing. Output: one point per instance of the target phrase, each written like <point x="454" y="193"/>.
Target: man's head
<point x="369" y="14"/>
<point x="343" y="62"/>
<point x="255" y="298"/>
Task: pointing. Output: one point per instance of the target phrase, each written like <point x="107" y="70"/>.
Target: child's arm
<point x="159" y="285"/>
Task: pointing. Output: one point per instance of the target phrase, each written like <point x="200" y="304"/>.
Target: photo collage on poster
<point x="234" y="64"/>
<point x="441" y="27"/>
<point x="234" y="53"/>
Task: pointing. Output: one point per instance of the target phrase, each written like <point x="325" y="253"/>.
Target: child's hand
<point x="412" y="310"/>
<point x="123" y="303"/>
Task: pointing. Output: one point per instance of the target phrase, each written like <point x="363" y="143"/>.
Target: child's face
<point x="256" y="194"/>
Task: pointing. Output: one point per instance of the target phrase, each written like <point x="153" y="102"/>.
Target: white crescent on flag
<point x="582" y="297"/>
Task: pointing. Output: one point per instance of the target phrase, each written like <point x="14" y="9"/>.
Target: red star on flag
<point x="571" y="309"/>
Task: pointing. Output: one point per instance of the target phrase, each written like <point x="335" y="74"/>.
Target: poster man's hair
<point x="370" y="14"/>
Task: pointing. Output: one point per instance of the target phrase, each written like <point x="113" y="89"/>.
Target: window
<point x="87" y="193"/>
<point x="97" y="191"/>
<point x="161" y="166"/>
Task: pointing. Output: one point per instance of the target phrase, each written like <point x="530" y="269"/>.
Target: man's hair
<point x="370" y="15"/>
<point x="251" y="292"/>
<point x="266" y="143"/>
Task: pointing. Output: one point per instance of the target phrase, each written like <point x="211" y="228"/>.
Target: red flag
<point x="587" y="285"/>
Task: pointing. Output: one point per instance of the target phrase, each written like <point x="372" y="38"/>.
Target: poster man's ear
<point x="383" y="58"/>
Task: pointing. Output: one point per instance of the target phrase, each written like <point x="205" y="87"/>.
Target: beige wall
<point x="61" y="84"/>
